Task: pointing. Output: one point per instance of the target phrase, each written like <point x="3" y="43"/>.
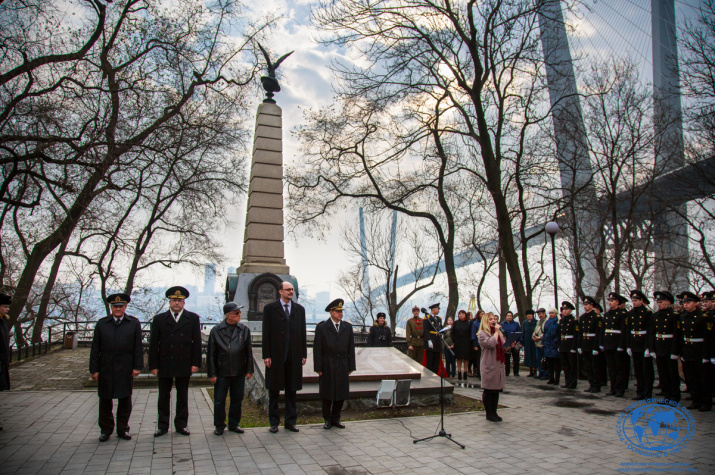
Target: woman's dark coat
<point x="334" y="356"/>
<point x="551" y="338"/>
<point x="528" y="328"/>
<point x="462" y="338"/>
<point x="229" y="351"/>
<point x="116" y="352"/>
<point x="379" y="336"/>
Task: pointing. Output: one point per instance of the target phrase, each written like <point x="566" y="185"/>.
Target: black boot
<point x="459" y="374"/>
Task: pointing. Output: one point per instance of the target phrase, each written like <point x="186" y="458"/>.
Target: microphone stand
<point x="442" y="432"/>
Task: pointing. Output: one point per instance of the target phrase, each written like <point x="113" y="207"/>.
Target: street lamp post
<point x="552" y="228"/>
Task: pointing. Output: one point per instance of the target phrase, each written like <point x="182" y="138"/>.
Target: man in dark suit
<point x="114" y="360"/>
<point x="284" y="350"/>
<point x="432" y="343"/>
<point x="5" y="301"/>
<point x="334" y="361"/>
<point x="174" y="355"/>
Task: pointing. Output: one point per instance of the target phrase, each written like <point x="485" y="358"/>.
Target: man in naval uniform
<point x="334" y="361"/>
<point x="590" y="327"/>
<point x="115" y="359"/>
<point x="568" y="331"/>
<point x="661" y="344"/>
<point x="613" y="342"/>
<point x="690" y="347"/>
<point x="637" y="324"/>
<point x="432" y="343"/>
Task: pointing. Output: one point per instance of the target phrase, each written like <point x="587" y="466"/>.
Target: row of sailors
<point x="642" y="336"/>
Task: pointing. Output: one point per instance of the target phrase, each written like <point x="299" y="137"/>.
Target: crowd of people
<point x="678" y="337"/>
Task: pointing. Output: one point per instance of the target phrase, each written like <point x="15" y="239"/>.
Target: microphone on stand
<point x="424" y="310"/>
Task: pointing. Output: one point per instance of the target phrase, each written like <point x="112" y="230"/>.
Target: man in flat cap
<point x="414" y="335"/>
<point x="432" y="343"/>
<point x="590" y="327"/>
<point x="115" y="359"/>
<point x="602" y="368"/>
<point x="285" y="350"/>
<point x="229" y="363"/>
<point x="174" y="355"/>
<point x="690" y="336"/>
<point x="613" y="341"/>
<point x="661" y="343"/>
<point x="637" y="324"/>
<point x="5" y="302"/>
<point x="334" y="361"/>
<point x="568" y="334"/>
<point x="380" y="334"/>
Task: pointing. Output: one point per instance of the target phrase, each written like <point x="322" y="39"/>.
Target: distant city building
<point x="209" y="279"/>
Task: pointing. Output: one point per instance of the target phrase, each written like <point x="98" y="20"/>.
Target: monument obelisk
<point x="263" y="265"/>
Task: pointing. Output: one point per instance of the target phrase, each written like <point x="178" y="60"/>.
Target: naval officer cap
<point x="336" y="305"/>
<point x="663" y="295"/>
<point x="434" y="305"/>
<point x="638" y="295"/>
<point x="615" y="296"/>
<point x="709" y="295"/>
<point x="118" y="299"/>
<point x="589" y="300"/>
<point x="598" y="307"/>
<point x="566" y="304"/>
<point x="688" y="297"/>
<point x="177" y="293"/>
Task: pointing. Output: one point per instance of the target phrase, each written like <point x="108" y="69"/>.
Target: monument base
<point x="254" y="290"/>
<point x="374" y="365"/>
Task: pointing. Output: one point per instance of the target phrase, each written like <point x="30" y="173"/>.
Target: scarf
<point x="500" y="354"/>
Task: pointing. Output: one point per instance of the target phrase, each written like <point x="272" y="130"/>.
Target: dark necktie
<point x="117" y="321"/>
<point x="287" y="312"/>
<point x="337" y="327"/>
<point x="176" y="317"/>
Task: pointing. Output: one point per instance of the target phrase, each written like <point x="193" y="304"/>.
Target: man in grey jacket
<point x="229" y="362"/>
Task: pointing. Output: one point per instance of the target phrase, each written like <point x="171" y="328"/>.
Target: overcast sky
<point x="605" y="28"/>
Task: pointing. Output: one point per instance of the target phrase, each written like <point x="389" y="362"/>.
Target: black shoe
<point x="273" y="429"/>
<point x="183" y="431"/>
<point x="237" y="430"/>
<point x="590" y="389"/>
<point x="611" y="393"/>
<point x="160" y="432"/>
<point x="124" y="435"/>
<point x="327" y="425"/>
<point x="595" y="390"/>
<point x="292" y="428"/>
<point x="573" y="386"/>
<point x="218" y="431"/>
<point x="339" y="425"/>
<point x="498" y="417"/>
<point x="637" y="397"/>
<point x="619" y="394"/>
<point x="491" y="418"/>
<point x="694" y="406"/>
<point x="553" y="383"/>
<point x="705" y="408"/>
<point x="103" y="437"/>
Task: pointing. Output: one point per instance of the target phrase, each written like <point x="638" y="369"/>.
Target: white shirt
<point x="177" y="316"/>
<point x="336" y="323"/>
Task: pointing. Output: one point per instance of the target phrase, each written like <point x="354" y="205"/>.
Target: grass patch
<point x="253" y="415"/>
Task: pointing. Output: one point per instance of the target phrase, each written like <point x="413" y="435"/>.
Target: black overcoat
<point x="174" y="346"/>
<point x="4" y="355"/>
<point x="276" y="330"/>
<point x="116" y="351"/>
<point x="334" y="356"/>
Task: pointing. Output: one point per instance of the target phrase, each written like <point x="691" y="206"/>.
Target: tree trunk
<point x="47" y="293"/>
<point x="503" y="294"/>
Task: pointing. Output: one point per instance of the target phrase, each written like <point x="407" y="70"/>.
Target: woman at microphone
<point x="491" y="340"/>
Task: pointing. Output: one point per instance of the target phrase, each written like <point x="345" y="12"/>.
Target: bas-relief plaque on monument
<point x="372" y="364"/>
<point x="267" y="293"/>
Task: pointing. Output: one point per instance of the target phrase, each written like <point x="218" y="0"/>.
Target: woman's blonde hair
<point x="484" y="325"/>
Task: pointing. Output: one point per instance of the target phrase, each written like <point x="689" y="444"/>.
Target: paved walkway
<point x="544" y="431"/>
<point x="65" y="369"/>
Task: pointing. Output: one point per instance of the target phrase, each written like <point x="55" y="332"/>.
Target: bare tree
<point x="449" y="94"/>
<point x="76" y="123"/>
